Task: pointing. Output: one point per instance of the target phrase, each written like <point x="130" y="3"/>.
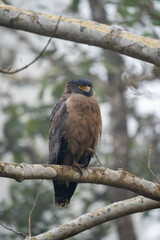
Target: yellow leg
<point x="78" y="166"/>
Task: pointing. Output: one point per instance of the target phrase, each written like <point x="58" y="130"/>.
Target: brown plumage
<point x="74" y="131"/>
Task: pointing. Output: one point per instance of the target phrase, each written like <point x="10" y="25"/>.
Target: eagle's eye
<point x="85" y="88"/>
<point x="81" y="87"/>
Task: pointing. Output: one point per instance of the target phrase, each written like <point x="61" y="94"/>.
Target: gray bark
<point x="97" y="217"/>
<point x="100" y="175"/>
<point x="80" y="31"/>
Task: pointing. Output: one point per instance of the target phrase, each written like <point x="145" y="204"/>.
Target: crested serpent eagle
<point x="73" y="135"/>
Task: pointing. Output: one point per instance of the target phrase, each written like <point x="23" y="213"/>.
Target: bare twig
<point x="120" y="161"/>
<point x="7" y="71"/>
<point x="34" y="205"/>
<point x="149" y="156"/>
<point x="29" y="64"/>
<point x="149" y="165"/>
<point x="98" y="159"/>
<point x="12" y="230"/>
<point x="94" y="154"/>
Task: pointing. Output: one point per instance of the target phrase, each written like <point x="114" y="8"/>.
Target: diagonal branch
<point x="100" y="175"/>
<point x="12" y="230"/>
<point x="8" y="71"/>
<point x="81" y="31"/>
<point x="105" y="214"/>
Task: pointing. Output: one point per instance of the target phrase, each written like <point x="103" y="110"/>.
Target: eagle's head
<point x="79" y="86"/>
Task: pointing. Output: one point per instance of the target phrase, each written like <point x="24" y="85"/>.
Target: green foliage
<point x="18" y="209"/>
<point x="130" y="3"/>
<point x="6" y="2"/>
<point x="74" y="6"/>
<point x="23" y="125"/>
<point x="58" y="90"/>
<point x="13" y="126"/>
<point x="37" y="126"/>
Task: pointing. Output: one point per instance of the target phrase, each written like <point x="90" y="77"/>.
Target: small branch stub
<point x="149" y="166"/>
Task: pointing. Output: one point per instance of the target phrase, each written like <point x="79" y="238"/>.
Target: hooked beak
<point x="86" y="88"/>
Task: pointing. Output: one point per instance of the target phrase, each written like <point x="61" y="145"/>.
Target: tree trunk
<point x="121" y="141"/>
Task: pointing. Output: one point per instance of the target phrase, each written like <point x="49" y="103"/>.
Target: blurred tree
<point x="118" y="123"/>
<point x="116" y="88"/>
<point x="27" y="98"/>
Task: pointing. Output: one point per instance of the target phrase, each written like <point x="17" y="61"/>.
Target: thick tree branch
<point x="105" y="214"/>
<point x="81" y="31"/>
<point x="100" y="175"/>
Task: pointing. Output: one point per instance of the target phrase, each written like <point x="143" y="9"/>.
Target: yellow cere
<point x="81" y="87"/>
<point x="84" y="88"/>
